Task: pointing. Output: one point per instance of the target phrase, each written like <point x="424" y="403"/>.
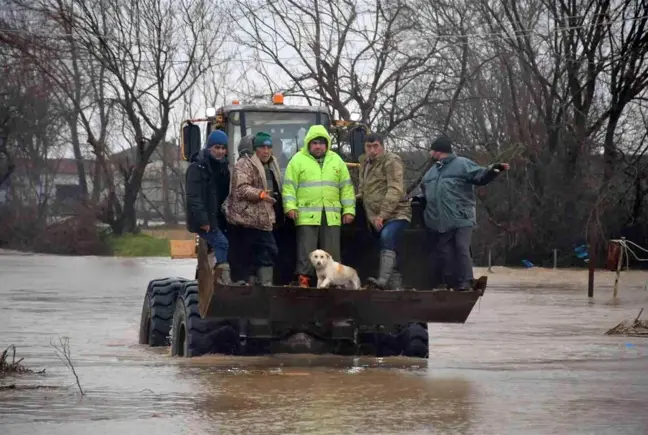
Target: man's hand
<point x="347" y="219"/>
<point x="205" y="228"/>
<point x="378" y="223"/>
<point x="497" y="167"/>
<point x="292" y="214"/>
<point x="267" y="197"/>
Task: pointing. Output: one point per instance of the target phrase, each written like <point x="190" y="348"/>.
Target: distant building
<point x="162" y="196"/>
<point x="52" y="182"/>
<point x="56" y="182"/>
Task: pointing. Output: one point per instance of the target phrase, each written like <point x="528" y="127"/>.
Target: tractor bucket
<point x="297" y="305"/>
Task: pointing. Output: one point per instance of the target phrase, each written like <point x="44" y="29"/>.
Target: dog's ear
<point x="329" y="256"/>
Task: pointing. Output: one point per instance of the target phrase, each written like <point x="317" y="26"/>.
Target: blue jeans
<point x="218" y="242"/>
<point x="391" y="233"/>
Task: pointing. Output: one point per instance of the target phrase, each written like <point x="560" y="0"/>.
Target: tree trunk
<point x="129" y="217"/>
<point x="609" y="148"/>
<point x="131" y="192"/>
<point x="169" y="217"/>
<point x="637" y="206"/>
<point x="97" y="184"/>
<point x="78" y="157"/>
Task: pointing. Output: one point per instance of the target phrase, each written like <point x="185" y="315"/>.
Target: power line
<point x="272" y="61"/>
<point x="274" y="58"/>
<point x="439" y="36"/>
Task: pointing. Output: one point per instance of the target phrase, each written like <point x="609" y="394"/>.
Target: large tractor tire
<point x="157" y="310"/>
<point x="416" y="340"/>
<point x="412" y="341"/>
<point x="193" y="336"/>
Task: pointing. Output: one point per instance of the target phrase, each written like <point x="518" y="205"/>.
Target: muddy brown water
<point x="528" y="361"/>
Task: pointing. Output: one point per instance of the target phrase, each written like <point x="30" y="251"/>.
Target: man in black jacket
<point x="207" y="185"/>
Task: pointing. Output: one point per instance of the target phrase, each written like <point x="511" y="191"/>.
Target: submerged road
<point x="529" y="360"/>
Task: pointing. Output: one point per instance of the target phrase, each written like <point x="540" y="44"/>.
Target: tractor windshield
<point x="287" y="129"/>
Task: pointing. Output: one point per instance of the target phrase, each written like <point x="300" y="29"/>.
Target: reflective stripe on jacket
<point x="309" y="188"/>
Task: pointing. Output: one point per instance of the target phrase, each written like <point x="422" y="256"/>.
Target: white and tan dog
<point x="330" y="272"/>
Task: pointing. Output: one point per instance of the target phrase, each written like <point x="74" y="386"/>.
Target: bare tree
<point x="628" y="71"/>
<point x="77" y="82"/>
<point x="30" y="126"/>
<point x="153" y="52"/>
<point x="347" y="55"/>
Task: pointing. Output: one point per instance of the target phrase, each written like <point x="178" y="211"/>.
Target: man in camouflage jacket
<point x="382" y="190"/>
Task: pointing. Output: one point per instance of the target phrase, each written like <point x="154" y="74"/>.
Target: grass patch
<point x="139" y="245"/>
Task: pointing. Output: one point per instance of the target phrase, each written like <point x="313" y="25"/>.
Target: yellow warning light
<point x="278" y="98"/>
<point x="236" y="102"/>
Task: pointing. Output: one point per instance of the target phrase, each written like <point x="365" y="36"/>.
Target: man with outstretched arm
<point x="449" y="190"/>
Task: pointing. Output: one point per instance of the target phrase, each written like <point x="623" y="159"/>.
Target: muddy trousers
<point x="451" y="257"/>
<point x="312" y="237"/>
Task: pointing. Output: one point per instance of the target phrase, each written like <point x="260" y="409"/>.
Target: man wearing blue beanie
<point x="207" y="186"/>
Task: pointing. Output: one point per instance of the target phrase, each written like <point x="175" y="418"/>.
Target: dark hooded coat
<point x="207" y="186"/>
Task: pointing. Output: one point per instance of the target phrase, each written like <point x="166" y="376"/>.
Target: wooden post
<point x="555" y="252"/>
<point x="638" y="315"/>
<point x="591" y="251"/>
<point x="618" y="273"/>
<point x="590" y="279"/>
<point x="490" y="261"/>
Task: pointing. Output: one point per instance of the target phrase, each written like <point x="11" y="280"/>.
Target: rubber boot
<point x="304" y="281"/>
<point x="387" y="263"/>
<point x="225" y="277"/>
<point x="395" y="281"/>
<point x="264" y="276"/>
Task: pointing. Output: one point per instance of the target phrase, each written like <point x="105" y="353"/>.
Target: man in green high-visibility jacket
<point x="318" y="195"/>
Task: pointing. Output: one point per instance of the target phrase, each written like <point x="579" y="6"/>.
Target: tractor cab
<point x="286" y="124"/>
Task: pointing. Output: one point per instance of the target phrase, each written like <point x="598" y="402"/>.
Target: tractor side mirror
<point x="356" y="140"/>
<point x="191" y="142"/>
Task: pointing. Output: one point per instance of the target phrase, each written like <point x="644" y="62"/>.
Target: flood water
<point x="528" y="361"/>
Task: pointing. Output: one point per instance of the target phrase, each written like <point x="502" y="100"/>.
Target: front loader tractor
<point x="200" y="316"/>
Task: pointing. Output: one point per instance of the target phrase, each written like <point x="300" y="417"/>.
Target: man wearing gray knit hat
<point x="449" y="190"/>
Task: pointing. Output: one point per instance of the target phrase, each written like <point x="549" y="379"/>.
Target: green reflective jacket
<point x="310" y="188"/>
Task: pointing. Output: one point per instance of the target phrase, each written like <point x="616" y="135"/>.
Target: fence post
<point x="591" y="250"/>
<point x="555" y="252"/>
<point x="490" y="261"/>
<point x="618" y="271"/>
<point x="619" y="267"/>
